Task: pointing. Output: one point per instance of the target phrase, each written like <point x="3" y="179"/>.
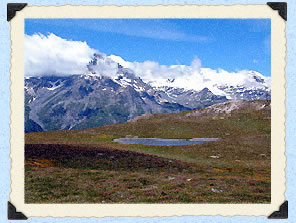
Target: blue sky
<point x="229" y="44"/>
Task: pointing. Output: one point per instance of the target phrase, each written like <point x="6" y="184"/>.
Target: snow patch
<point x="53" y="88"/>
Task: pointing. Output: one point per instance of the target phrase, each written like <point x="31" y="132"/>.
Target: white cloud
<point x="119" y="60"/>
<point x="157" y="74"/>
<point x="104" y="66"/>
<point x="52" y="55"/>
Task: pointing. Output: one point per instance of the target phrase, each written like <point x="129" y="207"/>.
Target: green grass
<point x="241" y="174"/>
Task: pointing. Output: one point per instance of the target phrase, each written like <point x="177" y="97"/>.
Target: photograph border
<point x="278" y="98"/>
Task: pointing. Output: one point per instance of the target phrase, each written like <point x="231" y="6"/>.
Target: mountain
<point x="249" y="85"/>
<point x="184" y="80"/>
<point x="110" y="92"/>
<point x="190" y="98"/>
<point x="85" y="101"/>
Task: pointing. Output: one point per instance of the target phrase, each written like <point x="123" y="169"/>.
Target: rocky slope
<point x="54" y="103"/>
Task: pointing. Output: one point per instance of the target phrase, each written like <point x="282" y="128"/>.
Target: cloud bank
<point x="52" y="55"/>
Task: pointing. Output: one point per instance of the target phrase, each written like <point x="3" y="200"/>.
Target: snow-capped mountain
<point x="181" y="80"/>
<point x="114" y="91"/>
<point x="195" y="78"/>
<point x="190" y="98"/>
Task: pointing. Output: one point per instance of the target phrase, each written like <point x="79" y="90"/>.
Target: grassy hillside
<point x="86" y="166"/>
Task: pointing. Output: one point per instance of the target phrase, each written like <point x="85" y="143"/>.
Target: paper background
<point x="4" y="131"/>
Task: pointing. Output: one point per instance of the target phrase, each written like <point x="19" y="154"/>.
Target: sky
<point x="232" y="45"/>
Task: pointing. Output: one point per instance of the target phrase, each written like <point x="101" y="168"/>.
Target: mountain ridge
<point x="94" y="99"/>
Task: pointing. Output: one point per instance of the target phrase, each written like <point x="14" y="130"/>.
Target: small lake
<point x="164" y="142"/>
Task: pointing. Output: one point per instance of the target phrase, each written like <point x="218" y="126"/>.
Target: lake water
<point x="164" y="142"/>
